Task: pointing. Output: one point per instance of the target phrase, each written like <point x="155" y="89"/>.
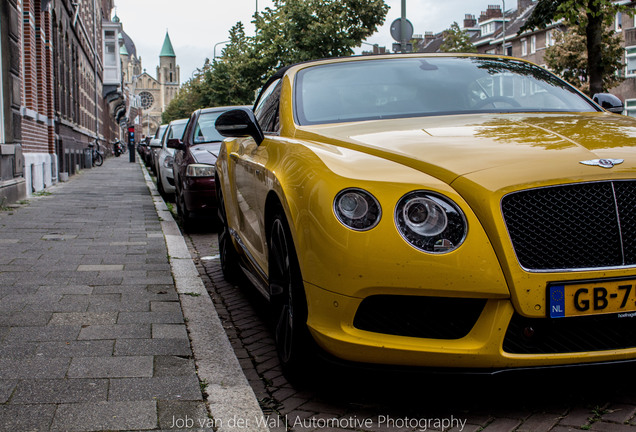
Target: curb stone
<point x="231" y="401"/>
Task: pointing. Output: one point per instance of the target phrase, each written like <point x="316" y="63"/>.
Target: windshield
<point x="410" y="87"/>
<point x="177" y="129"/>
<point x="160" y="131"/>
<point x="204" y="130"/>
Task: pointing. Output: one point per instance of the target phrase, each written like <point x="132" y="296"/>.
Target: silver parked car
<point x="153" y="148"/>
<point x="165" y="157"/>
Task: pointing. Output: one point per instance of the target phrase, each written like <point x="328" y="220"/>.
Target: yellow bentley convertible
<point x="458" y="211"/>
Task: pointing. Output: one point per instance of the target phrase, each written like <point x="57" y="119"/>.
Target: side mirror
<point x="239" y="123"/>
<point x="609" y="102"/>
<point x="175" y="143"/>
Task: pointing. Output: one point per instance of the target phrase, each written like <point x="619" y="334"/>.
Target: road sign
<point x="396" y="30"/>
<point x="397" y="47"/>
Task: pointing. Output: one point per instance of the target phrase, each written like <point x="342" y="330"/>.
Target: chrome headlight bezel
<point x="357" y="209"/>
<point x="168" y="162"/>
<point x="200" y="170"/>
<point x="430" y="222"/>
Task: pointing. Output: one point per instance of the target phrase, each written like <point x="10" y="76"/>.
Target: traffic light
<point x="131" y="135"/>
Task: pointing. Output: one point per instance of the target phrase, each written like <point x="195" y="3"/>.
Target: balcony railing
<point x="630" y="37"/>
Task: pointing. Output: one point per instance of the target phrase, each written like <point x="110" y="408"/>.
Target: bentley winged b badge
<point x="603" y="163"/>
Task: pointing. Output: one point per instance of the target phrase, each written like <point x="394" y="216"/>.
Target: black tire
<point x="187" y="223"/>
<point x="99" y="159"/>
<point x="293" y="341"/>
<point x="227" y="252"/>
<point x="177" y="195"/>
<point x="160" y="188"/>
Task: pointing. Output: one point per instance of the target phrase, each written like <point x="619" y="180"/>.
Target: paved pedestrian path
<point x="92" y="330"/>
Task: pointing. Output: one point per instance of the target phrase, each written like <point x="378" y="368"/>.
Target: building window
<point x="524" y="47"/>
<point x="533" y="44"/>
<point x="488" y="28"/>
<point x="630" y="60"/>
<point x="630" y="107"/>
<point x="491" y="51"/>
<point x="549" y="38"/>
<point x="146" y="99"/>
<point x="2" y="137"/>
<point x="508" y="50"/>
<point x="618" y="22"/>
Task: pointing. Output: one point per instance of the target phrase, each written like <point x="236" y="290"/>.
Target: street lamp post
<point x="215" y="45"/>
<point x="403" y="36"/>
<point x="503" y="13"/>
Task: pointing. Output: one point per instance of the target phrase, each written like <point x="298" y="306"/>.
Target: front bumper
<point x="167" y="180"/>
<point x="331" y="323"/>
<point x="200" y="194"/>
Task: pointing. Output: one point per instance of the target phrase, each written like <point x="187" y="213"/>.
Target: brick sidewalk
<point x="92" y="335"/>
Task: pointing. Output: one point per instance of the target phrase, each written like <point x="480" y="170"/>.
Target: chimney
<point x="470" y="21"/>
<point x="494" y="11"/>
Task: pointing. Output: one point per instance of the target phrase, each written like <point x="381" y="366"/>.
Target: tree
<point x="456" y="40"/>
<point x="300" y="30"/>
<point x="188" y="99"/>
<point x="591" y="18"/>
<point x="292" y="31"/>
<point x="568" y="58"/>
<point x="233" y="78"/>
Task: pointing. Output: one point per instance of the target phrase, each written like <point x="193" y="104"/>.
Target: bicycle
<point x="97" y="155"/>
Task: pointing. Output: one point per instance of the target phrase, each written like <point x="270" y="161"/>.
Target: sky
<point x="196" y="26"/>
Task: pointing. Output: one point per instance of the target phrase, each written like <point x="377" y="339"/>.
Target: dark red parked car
<point x="195" y="192"/>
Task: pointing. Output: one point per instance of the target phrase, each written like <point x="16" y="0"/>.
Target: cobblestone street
<point x="343" y="398"/>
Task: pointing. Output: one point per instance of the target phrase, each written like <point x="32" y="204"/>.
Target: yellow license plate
<point x="592" y="298"/>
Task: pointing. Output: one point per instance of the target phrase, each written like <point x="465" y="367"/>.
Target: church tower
<point x="167" y="73"/>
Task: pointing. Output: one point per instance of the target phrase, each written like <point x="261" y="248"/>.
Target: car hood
<point x="497" y="151"/>
<point x="205" y="153"/>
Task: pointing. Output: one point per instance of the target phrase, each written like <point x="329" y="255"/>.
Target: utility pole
<point x="403" y="36"/>
<point x="503" y="13"/>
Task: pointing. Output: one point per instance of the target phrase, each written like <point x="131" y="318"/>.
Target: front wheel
<point x="187" y="222"/>
<point x="160" y="188"/>
<point x="99" y="159"/>
<point x="293" y="341"/>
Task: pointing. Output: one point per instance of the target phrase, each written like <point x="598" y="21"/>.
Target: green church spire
<point x="167" y="50"/>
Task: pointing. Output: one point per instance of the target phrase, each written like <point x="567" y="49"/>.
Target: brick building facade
<point x="495" y="32"/>
<point x="12" y="183"/>
<point x="55" y="99"/>
<point x="487" y="34"/>
<point x="626" y="91"/>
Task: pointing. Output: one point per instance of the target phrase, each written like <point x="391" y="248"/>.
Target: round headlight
<point x="430" y="222"/>
<point x="425" y="217"/>
<point x="357" y="209"/>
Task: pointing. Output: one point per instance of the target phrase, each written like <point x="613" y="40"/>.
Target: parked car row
<point x="182" y="156"/>
<point x="194" y="166"/>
